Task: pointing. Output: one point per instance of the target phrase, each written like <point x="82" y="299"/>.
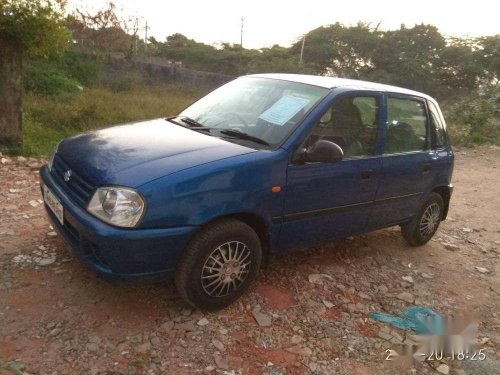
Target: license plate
<point x="54" y="204"/>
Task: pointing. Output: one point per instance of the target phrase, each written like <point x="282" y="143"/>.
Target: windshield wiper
<point x="241" y="135"/>
<point x="192" y="124"/>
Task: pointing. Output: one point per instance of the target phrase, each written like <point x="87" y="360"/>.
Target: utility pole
<point x="309" y="24"/>
<point x="302" y="48"/>
<point x="146" y="38"/>
<point x="241" y="32"/>
<point x="136" y="30"/>
<point x="241" y="43"/>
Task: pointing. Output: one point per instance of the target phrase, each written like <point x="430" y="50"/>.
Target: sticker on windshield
<point x="283" y="110"/>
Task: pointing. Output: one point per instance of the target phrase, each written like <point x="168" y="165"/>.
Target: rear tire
<point x="219" y="264"/>
<point x="425" y="223"/>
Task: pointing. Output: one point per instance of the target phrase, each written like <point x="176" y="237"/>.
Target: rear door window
<point x="406" y="125"/>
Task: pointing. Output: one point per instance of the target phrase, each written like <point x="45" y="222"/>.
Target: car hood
<point x="133" y="154"/>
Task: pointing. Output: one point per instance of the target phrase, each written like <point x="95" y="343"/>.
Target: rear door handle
<point x="426" y="168"/>
<point x="366" y="174"/>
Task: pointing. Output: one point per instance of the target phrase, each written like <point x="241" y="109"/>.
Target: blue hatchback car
<point x="263" y="164"/>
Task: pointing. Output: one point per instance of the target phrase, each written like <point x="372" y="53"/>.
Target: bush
<point x="476" y="119"/>
<point x="44" y="79"/>
<point x="85" y="69"/>
<point x="62" y="74"/>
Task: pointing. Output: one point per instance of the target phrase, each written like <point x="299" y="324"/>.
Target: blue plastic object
<point x="420" y="319"/>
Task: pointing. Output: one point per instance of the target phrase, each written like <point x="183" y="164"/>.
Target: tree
<point x="28" y="28"/>
<point x="278" y="59"/>
<point x="488" y="54"/>
<point x="180" y="40"/>
<point x="458" y="70"/>
<point x="105" y="30"/>
<point x="409" y="57"/>
<point x="339" y="50"/>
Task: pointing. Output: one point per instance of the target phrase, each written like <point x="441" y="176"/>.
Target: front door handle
<point x="366" y="174"/>
<point x="426" y="168"/>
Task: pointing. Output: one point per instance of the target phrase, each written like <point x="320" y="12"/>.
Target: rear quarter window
<point x="438" y="127"/>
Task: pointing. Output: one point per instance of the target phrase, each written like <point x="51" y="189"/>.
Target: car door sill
<point x="330" y="210"/>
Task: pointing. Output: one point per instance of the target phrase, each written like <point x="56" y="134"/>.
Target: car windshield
<point x="254" y="110"/>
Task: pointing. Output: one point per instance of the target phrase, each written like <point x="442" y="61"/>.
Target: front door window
<point x="352" y="123"/>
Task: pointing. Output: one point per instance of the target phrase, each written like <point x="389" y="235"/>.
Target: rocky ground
<point x="307" y="312"/>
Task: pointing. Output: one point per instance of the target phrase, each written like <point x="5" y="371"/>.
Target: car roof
<point x="334" y="82"/>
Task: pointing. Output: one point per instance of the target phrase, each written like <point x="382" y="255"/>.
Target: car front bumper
<point x="111" y="251"/>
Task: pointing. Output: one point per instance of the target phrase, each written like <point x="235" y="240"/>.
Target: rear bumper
<point x="114" y="252"/>
<point x="447" y="203"/>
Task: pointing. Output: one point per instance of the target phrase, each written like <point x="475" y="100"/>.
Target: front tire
<point x="425" y="223"/>
<point x="219" y="264"/>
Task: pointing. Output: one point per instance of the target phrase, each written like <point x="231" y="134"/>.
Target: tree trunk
<point x="11" y="110"/>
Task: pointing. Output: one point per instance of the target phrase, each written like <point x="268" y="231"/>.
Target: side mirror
<point x="323" y="151"/>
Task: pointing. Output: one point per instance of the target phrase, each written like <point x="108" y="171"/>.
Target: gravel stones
<point x="407" y="297"/>
<point x="262" y="319"/>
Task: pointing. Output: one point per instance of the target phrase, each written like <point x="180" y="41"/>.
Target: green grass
<point x="47" y="120"/>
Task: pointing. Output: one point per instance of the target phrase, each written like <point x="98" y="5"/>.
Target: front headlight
<point x="51" y="160"/>
<point x="118" y="206"/>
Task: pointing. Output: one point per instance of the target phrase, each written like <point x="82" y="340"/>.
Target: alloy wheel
<point x="225" y="269"/>
<point x="430" y="220"/>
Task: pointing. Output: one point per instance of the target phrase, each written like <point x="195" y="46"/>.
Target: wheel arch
<point x="445" y="192"/>
<point x="254" y="221"/>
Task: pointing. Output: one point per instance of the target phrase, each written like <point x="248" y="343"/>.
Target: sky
<point x="280" y="22"/>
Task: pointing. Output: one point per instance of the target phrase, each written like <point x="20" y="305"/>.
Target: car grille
<point x="77" y="188"/>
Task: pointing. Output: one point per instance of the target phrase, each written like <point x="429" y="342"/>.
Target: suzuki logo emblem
<point x="67" y="175"/>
